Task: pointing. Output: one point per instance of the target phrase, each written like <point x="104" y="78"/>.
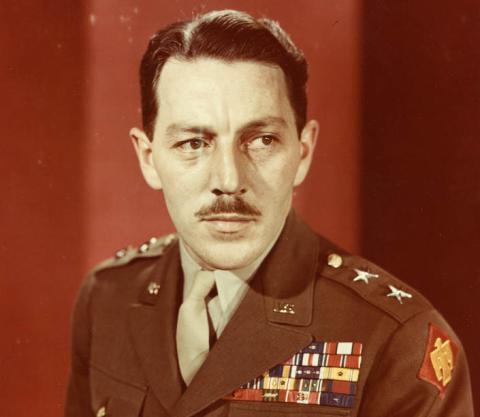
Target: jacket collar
<point x="269" y="325"/>
<point x="288" y="275"/>
<point x="153" y="326"/>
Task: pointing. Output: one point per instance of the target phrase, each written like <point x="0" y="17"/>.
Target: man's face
<point x="227" y="155"/>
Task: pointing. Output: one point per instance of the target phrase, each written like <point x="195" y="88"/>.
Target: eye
<point x="261" y="142"/>
<point x="192" y="145"/>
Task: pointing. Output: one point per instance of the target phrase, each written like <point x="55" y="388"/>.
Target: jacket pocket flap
<point x="266" y="409"/>
<point x="117" y="398"/>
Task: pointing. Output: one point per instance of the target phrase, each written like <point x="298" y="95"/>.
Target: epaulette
<point x="153" y="247"/>
<point x="375" y="285"/>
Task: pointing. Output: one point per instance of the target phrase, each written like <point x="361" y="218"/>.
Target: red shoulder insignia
<point x="439" y="360"/>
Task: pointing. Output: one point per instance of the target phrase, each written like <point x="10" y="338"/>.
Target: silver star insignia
<point x="398" y="294"/>
<point x="364" y="276"/>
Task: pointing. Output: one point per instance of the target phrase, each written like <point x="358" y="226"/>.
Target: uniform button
<point x="152" y="240"/>
<point x="334" y="260"/>
<point x="102" y="411"/>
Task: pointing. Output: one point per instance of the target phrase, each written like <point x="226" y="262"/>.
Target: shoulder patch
<point x="375" y="285"/>
<point x="439" y="360"/>
<point x="153" y="247"/>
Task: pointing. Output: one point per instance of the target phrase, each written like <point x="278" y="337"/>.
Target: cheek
<point x="182" y="184"/>
<point x="173" y="173"/>
<point x="277" y="174"/>
<point x="178" y="192"/>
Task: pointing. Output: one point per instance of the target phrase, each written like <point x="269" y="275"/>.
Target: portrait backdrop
<point x="395" y="176"/>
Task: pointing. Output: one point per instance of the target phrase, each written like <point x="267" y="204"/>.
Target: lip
<point x="228" y="223"/>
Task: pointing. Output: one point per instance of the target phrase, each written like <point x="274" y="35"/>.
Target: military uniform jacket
<point x="319" y="333"/>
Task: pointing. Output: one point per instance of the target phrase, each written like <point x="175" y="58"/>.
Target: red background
<point x="394" y="85"/>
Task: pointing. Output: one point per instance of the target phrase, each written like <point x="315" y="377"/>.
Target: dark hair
<point x="228" y="35"/>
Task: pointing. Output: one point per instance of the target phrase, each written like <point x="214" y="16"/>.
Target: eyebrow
<point x="176" y="128"/>
<point x="264" y="122"/>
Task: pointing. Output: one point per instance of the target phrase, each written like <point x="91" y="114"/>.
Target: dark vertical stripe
<point x="420" y="153"/>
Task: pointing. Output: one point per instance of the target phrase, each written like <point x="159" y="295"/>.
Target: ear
<point x="144" y="151"/>
<point x="308" y="140"/>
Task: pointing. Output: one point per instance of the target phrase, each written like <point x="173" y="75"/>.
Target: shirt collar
<point x="230" y="283"/>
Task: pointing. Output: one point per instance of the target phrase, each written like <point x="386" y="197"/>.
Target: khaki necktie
<point x="193" y="328"/>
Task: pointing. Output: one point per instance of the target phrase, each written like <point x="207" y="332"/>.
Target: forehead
<point x="221" y="93"/>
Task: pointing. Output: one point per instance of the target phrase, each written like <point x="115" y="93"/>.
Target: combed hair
<point x="228" y="35"/>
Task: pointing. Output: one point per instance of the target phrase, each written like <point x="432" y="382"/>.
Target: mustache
<point x="235" y="205"/>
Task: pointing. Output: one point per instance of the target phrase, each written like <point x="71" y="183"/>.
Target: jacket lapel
<point x="267" y="327"/>
<point x="153" y="322"/>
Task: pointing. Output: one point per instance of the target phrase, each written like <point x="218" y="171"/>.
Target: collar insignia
<point x="283" y="308"/>
<point x="153" y="288"/>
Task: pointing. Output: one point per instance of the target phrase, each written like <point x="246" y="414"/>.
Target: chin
<point x="229" y="256"/>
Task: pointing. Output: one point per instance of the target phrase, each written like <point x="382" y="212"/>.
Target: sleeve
<point x="421" y="372"/>
<point x="78" y="402"/>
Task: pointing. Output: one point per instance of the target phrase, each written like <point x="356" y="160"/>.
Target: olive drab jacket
<point x="319" y="333"/>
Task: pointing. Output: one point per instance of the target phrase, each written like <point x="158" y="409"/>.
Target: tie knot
<point x="202" y="284"/>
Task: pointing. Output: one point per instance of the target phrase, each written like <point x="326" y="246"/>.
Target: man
<point x="245" y="311"/>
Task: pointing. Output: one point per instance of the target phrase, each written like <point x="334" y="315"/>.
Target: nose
<point x="227" y="171"/>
